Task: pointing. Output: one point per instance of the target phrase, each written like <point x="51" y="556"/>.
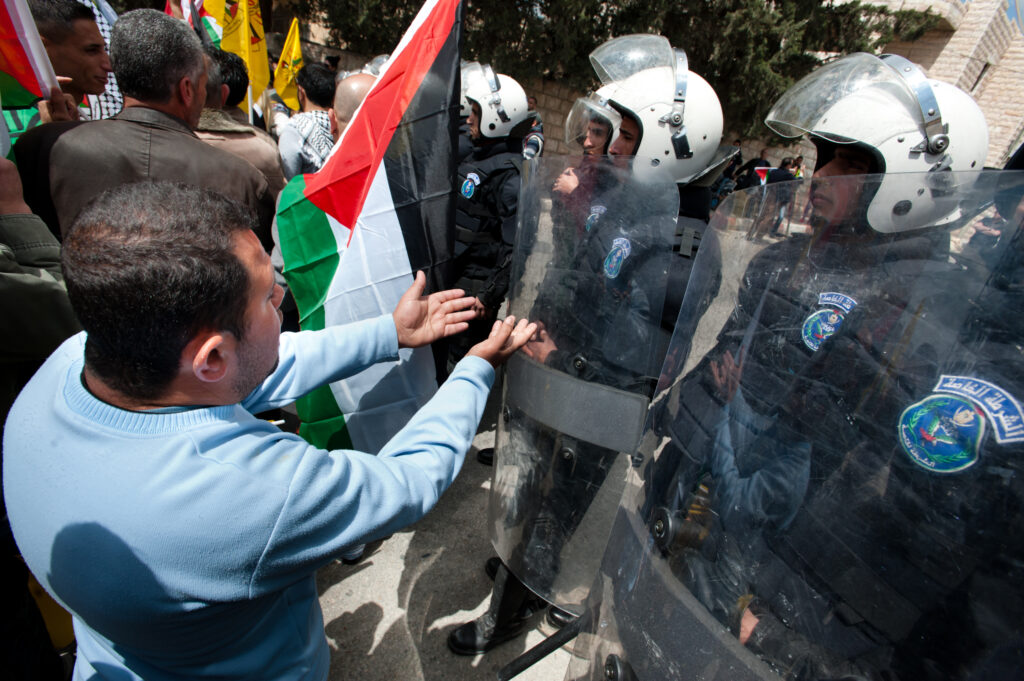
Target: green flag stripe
<point x="311" y="258"/>
<point x="14" y="94"/>
<point x="310" y="252"/>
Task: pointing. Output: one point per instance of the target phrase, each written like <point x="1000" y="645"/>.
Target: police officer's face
<point x="629" y="137"/>
<point x="596" y="138"/>
<point x="834" y="202"/>
<point x="474" y="121"/>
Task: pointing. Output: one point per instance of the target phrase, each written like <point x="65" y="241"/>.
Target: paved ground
<point x="387" y="618"/>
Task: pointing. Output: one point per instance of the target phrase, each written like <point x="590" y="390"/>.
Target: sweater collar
<point x="84" y="403"/>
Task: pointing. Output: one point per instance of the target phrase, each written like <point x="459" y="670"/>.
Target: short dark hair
<point x="214" y="79"/>
<point x="147" y="267"/>
<point x="318" y="82"/>
<point x="55" y="19"/>
<point x="232" y="73"/>
<point x="786" y="162"/>
<point x="151" y="51"/>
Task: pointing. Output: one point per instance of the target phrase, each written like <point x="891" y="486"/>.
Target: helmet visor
<point x="590" y="125"/>
<point x="472" y="73"/>
<point x="620" y="58"/>
<point x="805" y="107"/>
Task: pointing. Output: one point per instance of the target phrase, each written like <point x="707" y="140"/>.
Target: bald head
<point x="347" y="97"/>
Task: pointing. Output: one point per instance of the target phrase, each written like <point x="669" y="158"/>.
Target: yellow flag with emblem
<point x="243" y="35"/>
<point x="287" y="66"/>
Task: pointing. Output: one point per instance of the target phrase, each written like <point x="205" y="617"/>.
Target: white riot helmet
<point x="679" y="114"/>
<point x="906" y="121"/>
<point x="503" y="105"/>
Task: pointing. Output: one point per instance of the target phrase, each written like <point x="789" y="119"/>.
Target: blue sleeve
<point x="309" y="359"/>
<point x="337" y="499"/>
<point x="771" y="494"/>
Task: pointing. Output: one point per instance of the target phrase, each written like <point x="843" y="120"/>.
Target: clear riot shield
<point x="590" y="266"/>
<point x="830" y="482"/>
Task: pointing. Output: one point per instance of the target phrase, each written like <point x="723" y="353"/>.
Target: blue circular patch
<point x="468" y="188"/>
<point x="621" y="248"/>
<point x="942" y="433"/>
<point x="820" y="326"/>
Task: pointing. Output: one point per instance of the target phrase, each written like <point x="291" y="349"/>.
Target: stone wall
<point x="984" y="56"/>
<point x="554" y="102"/>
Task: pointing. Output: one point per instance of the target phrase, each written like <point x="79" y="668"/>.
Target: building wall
<point x="984" y="56"/>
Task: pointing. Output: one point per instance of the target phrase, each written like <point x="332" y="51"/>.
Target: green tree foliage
<point x="750" y="51"/>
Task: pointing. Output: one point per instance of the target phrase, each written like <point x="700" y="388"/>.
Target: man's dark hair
<point x="318" y="82"/>
<point x="214" y="77"/>
<point x="151" y="51"/>
<point x="232" y="73"/>
<point x="148" y="266"/>
<point x="786" y="162"/>
<point x="55" y="19"/>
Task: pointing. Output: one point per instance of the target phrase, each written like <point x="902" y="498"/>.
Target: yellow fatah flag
<point x="287" y="66"/>
<point x="243" y="35"/>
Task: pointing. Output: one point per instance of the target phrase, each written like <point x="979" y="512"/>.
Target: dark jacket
<point x="485" y="220"/>
<point x="138" y="144"/>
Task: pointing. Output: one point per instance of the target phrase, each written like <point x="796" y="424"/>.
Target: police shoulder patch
<point x="596" y="212"/>
<point x="621" y="249"/>
<point x="944" y="432"/>
<point x="824" y="323"/>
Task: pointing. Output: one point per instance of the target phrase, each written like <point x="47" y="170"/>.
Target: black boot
<point x="510" y="610"/>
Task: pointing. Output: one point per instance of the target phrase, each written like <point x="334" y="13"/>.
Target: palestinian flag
<point x="353" y="235"/>
<point x="25" y="71"/>
<point x="211" y="16"/>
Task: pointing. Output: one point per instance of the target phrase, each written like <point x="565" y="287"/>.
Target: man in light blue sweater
<point x="182" y="532"/>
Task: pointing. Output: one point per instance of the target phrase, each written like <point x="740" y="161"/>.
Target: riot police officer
<point x="833" y="488"/>
<point x="488" y="193"/>
<point x="592" y="366"/>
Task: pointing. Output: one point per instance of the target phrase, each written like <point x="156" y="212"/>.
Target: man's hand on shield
<point x="421" y="320"/>
<point x="506" y="338"/>
<point x="540" y="345"/>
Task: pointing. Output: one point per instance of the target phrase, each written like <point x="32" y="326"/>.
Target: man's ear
<point x="224" y="92"/>
<point x="332" y="116"/>
<point x="211" y="355"/>
<point x="186" y="92"/>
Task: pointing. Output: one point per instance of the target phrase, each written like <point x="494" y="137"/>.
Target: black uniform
<point x="485" y="227"/>
<point x="860" y="492"/>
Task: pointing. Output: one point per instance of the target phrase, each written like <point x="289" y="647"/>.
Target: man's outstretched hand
<point x="505" y="339"/>
<point x="421" y="319"/>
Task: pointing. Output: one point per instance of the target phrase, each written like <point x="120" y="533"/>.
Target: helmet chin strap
<point x="936" y="137"/>
<point x="680" y="143"/>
